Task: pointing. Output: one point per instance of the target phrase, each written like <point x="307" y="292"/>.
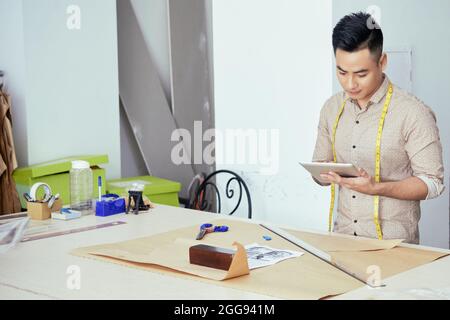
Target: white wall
<point x="272" y="69"/>
<point x="422" y="25"/>
<point x="70" y="81"/>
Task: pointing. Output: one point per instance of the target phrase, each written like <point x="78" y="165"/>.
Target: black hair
<point x="358" y="31"/>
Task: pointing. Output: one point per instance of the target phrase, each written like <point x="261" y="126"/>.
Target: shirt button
<point x="355" y="233"/>
<point x="354" y="147"/>
<point x="357" y="121"/>
<point x="355" y="221"/>
<point x="354" y="197"/>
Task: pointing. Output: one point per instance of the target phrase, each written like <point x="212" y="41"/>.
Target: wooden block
<point x="210" y="256"/>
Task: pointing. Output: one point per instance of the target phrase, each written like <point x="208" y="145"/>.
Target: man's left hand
<point x="363" y="184"/>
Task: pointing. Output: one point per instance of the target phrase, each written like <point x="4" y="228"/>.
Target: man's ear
<point x="383" y="61"/>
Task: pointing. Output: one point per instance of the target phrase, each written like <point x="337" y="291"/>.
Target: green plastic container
<point x="156" y="189"/>
<point x="56" y="175"/>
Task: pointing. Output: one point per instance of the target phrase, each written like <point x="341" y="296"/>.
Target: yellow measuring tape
<point x="376" y="199"/>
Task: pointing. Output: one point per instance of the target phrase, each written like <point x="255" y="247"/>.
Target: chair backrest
<point x="201" y="197"/>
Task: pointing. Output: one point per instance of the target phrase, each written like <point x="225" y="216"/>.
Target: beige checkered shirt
<point x="410" y="146"/>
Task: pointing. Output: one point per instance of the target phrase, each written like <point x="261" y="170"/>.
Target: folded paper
<point x="305" y="277"/>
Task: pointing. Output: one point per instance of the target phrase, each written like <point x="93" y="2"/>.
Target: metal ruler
<point x="70" y="231"/>
<point x="322" y="255"/>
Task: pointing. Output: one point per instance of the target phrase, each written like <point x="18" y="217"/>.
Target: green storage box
<point x="156" y="189"/>
<point x="56" y="175"/>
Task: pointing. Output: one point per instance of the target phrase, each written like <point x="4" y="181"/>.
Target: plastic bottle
<point x="81" y="187"/>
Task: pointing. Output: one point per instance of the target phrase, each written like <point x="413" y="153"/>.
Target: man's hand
<point x="411" y="188"/>
<point x="363" y="184"/>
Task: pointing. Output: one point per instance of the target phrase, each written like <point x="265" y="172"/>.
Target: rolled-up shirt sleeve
<point x="435" y="187"/>
<point x="424" y="149"/>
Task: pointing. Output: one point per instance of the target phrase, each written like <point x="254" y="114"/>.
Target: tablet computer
<point x="345" y="170"/>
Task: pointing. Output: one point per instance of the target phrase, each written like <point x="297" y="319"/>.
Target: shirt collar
<point x="379" y="94"/>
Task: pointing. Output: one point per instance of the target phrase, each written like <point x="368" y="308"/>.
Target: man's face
<point x="359" y="72"/>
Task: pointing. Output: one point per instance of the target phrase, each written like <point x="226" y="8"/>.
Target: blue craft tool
<point x="208" y="228"/>
<point x="110" y="204"/>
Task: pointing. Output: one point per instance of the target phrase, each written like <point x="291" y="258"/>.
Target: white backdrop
<point x="272" y="70"/>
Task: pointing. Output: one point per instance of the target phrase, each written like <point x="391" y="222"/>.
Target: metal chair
<point x="201" y="197"/>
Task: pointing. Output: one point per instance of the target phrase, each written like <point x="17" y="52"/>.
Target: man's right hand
<point x="321" y="182"/>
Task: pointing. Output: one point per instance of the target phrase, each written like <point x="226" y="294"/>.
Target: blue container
<point x="110" y="204"/>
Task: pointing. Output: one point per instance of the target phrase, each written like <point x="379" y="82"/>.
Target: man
<point x="376" y="115"/>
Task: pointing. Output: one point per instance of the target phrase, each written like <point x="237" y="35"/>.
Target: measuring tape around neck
<point x="376" y="199"/>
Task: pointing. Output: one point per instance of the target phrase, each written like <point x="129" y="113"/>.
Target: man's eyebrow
<point x="359" y="71"/>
